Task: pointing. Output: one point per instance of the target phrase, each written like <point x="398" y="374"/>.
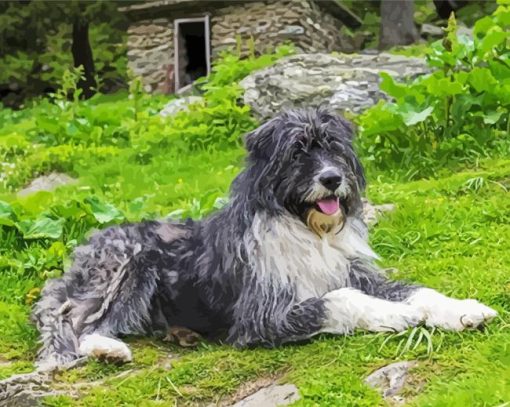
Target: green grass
<point x="445" y="234"/>
<point x="451" y="233"/>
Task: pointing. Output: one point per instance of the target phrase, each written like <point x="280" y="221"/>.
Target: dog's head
<point x="304" y="160"/>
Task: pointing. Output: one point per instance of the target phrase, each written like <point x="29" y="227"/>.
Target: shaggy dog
<point x="285" y="260"/>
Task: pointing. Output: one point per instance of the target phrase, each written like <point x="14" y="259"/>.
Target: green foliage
<point x="36" y="39"/>
<point x="456" y="114"/>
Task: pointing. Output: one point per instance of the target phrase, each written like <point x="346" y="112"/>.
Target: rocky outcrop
<point x="345" y="82"/>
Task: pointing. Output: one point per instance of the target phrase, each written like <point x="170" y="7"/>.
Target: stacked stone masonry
<point x="244" y="26"/>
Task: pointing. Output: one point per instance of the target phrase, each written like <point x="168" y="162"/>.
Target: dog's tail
<point x="51" y="315"/>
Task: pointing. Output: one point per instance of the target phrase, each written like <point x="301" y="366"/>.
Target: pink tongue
<point x="328" y="206"/>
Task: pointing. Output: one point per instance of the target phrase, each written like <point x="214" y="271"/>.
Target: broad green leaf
<point x="492" y="117"/>
<point x="492" y="40"/>
<point x="412" y="117"/>
<point x="444" y="87"/>
<point x="482" y="26"/>
<point x="50" y="125"/>
<point x="70" y="210"/>
<point x="37" y="202"/>
<point x="41" y="228"/>
<point x="103" y="212"/>
<point x="392" y="88"/>
<point x="482" y="80"/>
<point x="380" y="119"/>
<point x="6" y="214"/>
<point x="500" y="68"/>
<point x="503" y="15"/>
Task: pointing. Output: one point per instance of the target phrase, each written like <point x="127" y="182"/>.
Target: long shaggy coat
<point x="253" y="273"/>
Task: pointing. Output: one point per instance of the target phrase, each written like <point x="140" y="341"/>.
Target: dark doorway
<point x="191" y="50"/>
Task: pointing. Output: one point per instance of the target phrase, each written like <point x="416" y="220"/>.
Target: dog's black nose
<point x="330" y="180"/>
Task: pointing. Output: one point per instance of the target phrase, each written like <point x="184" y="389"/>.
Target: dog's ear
<point x="260" y="142"/>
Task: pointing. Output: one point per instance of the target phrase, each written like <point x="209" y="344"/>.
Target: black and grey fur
<point x="252" y="273"/>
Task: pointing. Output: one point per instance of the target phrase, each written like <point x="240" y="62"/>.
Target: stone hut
<point x="172" y="42"/>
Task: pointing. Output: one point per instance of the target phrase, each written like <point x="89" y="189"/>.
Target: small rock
<point x="47" y="183"/>
<point x="272" y="396"/>
<point x="179" y="105"/>
<point x="431" y="31"/>
<point x="372" y="213"/>
<point x="390" y="379"/>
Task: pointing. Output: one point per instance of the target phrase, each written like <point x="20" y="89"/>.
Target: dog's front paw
<point x="389" y="316"/>
<point x="460" y="314"/>
<point x="450" y="313"/>
<point x="348" y="309"/>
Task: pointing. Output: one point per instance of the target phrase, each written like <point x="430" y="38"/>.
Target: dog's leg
<point x="348" y="309"/>
<point x="436" y="308"/>
<point x="108" y="291"/>
<point x="277" y="320"/>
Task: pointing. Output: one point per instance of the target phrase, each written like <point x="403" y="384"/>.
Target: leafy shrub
<point x="65" y="133"/>
<point x="33" y="63"/>
<point x="455" y="114"/>
<point x="220" y="121"/>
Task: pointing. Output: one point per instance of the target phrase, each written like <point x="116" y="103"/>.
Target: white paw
<point x="460" y="314"/>
<point x="349" y="309"/>
<point x="390" y="316"/>
<point x="102" y="347"/>
<point x="450" y="313"/>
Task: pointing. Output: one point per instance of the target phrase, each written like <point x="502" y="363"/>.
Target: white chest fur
<point x="283" y="251"/>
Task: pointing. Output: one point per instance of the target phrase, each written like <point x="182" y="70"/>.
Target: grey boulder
<point x="345" y="82"/>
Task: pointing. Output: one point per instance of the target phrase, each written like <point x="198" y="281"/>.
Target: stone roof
<point x="334" y="7"/>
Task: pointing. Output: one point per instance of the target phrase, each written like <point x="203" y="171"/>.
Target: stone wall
<point x="151" y="52"/>
<point x="270" y="23"/>
<point x="262" y="25"/>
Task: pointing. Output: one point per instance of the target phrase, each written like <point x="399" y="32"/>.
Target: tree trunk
<point x="397" y="23"/>
<point x="82" y="55"/>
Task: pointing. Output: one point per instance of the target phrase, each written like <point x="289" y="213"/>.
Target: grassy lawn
<point x="451" y="233"/>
